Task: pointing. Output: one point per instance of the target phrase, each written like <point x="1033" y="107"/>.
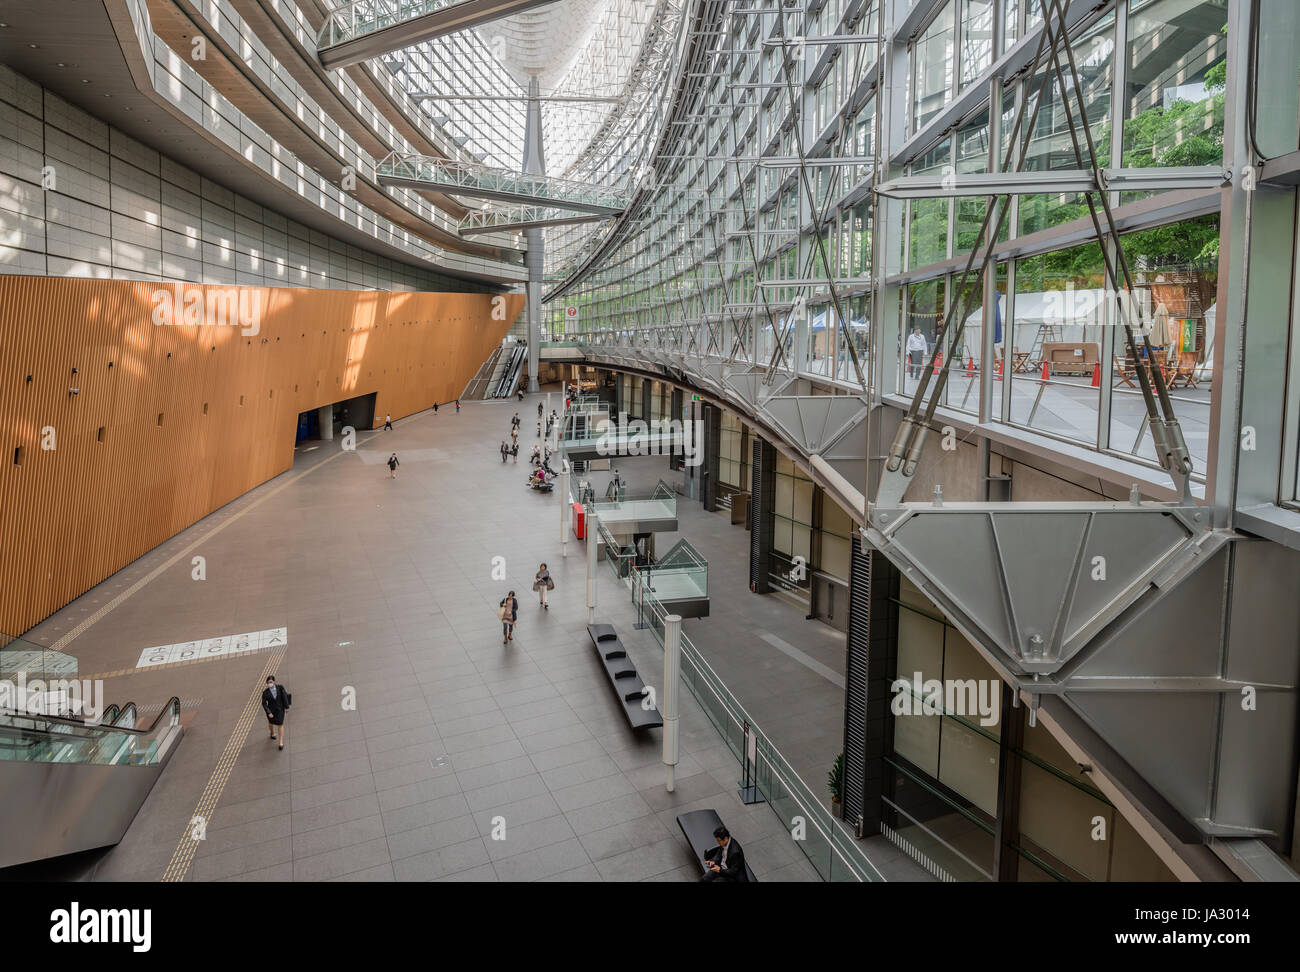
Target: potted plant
<point x="835" y="780"/>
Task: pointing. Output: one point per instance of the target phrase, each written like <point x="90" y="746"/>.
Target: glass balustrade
<point x="115" y="741"/>
<point x="828" y="845"/>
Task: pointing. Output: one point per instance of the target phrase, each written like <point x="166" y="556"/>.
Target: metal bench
<point x="631" y="691"/>
<point x="698" y="827"/>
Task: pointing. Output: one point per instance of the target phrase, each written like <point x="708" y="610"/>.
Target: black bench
<point x="698" y="827"/>
<point x="629" y="688"/>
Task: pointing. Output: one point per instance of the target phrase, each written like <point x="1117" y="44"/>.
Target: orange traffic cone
<point x="970" y="365"/>
<point x="938" y="361"/>
<point x="1046" y="375"/>
<point x="998" y="372"/>
<point x="1096" y="375"/>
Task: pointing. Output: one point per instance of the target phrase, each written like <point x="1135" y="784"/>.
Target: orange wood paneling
<point x="72" y="515"/>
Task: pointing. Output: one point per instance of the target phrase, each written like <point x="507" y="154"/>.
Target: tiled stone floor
<point x="386" y="588"/>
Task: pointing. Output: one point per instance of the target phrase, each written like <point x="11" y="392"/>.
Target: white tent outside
<point x="1077" y="315"/>
<point x="1211" y="317"/>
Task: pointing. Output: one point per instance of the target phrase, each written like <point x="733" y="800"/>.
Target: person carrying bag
<point x="508" y="613"/>
<point x="543" y="583"/>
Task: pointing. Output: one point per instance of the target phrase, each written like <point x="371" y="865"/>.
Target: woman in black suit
<point x="508" y="612"/>
<point x="275" y="703"/>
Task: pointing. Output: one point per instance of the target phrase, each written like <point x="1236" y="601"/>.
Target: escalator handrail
<point x="512" y="367"/>
<point x="172" y="707"/>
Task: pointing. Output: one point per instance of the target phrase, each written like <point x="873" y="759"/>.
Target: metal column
<point x="564" y="507"/>
<point x="672" y="674"/>
<point x="591" y="524"/>
<point x="534" y="164"/>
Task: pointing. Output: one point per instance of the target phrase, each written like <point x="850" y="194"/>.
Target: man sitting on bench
<point x="726" y="862"/>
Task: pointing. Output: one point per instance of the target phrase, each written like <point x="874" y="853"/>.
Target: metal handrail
<point x="13" y="718"/>
<point x="778" y="764"/>
<point x="472" y="175"/>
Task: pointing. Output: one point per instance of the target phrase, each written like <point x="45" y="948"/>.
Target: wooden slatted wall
<point x="73" y="514"/>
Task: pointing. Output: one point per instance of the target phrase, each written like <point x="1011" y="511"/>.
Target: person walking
<point x="514" y="422"/>
<point x="392" y="466"/>
<point x="505" y="450"/>
<point x="539" y="410"/>
<point x="508" y="612"/>
<point x="916" y="349"/>
<point x="388" y="422"/>
<point x="435" y="408"/>
<point x="458" y="406"/>
<point x="541" y="584"/>
<point x="514" y="436"/>
<point x="275" y="703"/>
<point x="514" y="451"/>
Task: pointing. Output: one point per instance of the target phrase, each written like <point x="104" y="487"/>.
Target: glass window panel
<point x="1277" y="94"/>
<point x="801" y="542"/>
<point x="1177" y="69"/>
<point x="962" y="662"/>
<point x="920" y="645"/>
<point x="936" y="827"/>
<point x="1132" y="858"/>
<point x="1010" y="23"/>
<point x="928" y="218"/>
<point x="1058" y="315"/>
<point x="836" y="556"/>
<point x="976" y="38"/>
<point x="1058" y="816"/>
<point x="962" y="388"/>
<point x="803" y="499"/>
<point x="932" y="68"/>
<point x="1050" y="146"/>
<point x="968" y="762"/>
<point x="783" y="535"/>
<point x="923" y="304"/>
<point x="1176" y="277"/>
<point x="783" y="496"/>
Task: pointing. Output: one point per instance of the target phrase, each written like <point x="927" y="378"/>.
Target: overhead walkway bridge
<point x="425" y="172"/>
<point x="364" y="29"/>
<point x="513" y="219"/>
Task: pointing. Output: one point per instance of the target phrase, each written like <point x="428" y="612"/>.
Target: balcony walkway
<point x="370" y="28"/>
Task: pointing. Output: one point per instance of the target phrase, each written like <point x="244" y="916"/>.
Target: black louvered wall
<point x="855" y="681"/>
<point x="762" y="484"/>
<point x="712" y="422"/>
<point x="872" y="649"/>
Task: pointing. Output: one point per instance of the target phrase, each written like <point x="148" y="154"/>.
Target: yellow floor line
<point x="187" y="845"/>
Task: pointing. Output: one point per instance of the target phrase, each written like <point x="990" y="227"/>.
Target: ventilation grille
<point x="855" y="689"/>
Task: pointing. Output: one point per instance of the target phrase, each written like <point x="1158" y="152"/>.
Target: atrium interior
<point x="868" y="426"/>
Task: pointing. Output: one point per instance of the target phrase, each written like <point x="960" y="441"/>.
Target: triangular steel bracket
<point x="815" y="422"/>
<point x="1033" y="583"/>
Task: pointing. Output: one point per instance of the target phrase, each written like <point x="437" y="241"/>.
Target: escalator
<point x="480" y="385"/>
<point x="512" y="372"/>
<point x="71" y="785"/>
